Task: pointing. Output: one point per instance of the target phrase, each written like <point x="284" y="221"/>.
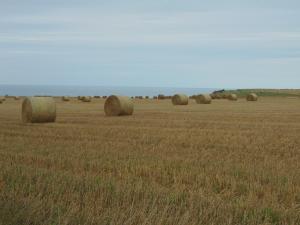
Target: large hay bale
<point x="232" y="97"/>
<point x="86" y="99"/>
<point x="252" y="97"/>
<point x="203" y="99"/>
<point x="118" y="106"/>
<point x="80" y="98"/>
<point x="65" y="98"/>
<point x="180" y="99"/>
<point x="38" y="110"/>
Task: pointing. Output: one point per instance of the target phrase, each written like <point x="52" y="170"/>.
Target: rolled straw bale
<point x="252" y="97"/>
<point x="118" y="106"/>
<point x="16" y="98"/>
<point x="38" y="110"/>
<point x="203" y="99"/>
<point x="232" y="97"/>
<point x="180" y="99"/>
<point x="86" y="99"/>
<point x="65" y="98"/>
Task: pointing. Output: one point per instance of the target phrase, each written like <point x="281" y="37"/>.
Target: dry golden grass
<point x="224" y="163"/>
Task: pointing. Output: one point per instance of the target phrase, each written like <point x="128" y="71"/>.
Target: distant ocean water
<point x="53" y="90"/>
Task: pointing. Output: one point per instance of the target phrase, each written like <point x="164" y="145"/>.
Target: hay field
<point x="224" y="163"/>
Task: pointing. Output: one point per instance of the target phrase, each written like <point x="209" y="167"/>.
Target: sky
<point x="157" y="43"/>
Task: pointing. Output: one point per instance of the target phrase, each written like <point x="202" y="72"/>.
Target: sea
<point x="68" y="90"/>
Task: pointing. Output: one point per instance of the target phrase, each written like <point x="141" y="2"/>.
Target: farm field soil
<point x="224" y="163"/>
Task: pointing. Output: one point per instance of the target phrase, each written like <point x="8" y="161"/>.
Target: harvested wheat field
<point x="224" y="163"/>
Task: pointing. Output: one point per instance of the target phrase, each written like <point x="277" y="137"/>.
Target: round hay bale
<point x="65" y="98"/>
<point x="38" y="110"/>
<point x="16" y="98"/>
<point x="180" y="99"/>
<point x="252" y="97"/>
<point x="80" y="98"/>
<point x="203" y="99"/>
<point x="86" y="99"/>
<point x="232" y="97"/>
<point x="118" y="106"/>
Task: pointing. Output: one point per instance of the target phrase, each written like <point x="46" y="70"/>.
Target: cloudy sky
<point x="169" y="43"/>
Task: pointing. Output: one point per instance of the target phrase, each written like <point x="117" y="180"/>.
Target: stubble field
<point x="224" y="163"/>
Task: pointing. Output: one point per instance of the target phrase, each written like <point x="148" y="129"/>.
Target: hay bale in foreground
<point x="232" y="97"/>
<point x="180" y="99"/>
<point x="38" y="110"/>
<point x="252" y="97"/>
<point x="65" y="98"/>
<point x="118" y="106"/>
<point x="203" y="99"/>
<point x="86" y="99"/>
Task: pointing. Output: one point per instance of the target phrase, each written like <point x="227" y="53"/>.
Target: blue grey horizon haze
<point x="158" y="43"/>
